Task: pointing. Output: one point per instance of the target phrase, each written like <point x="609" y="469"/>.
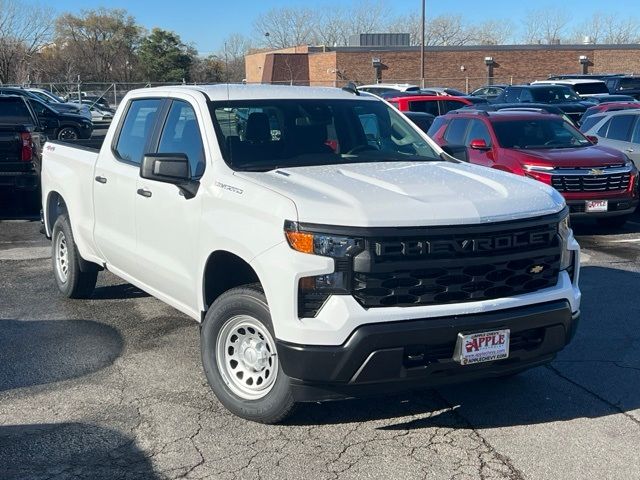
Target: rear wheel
<point x="240" y="359"/>
<point x="71" y="280"/>
<point x="613" y="222"/>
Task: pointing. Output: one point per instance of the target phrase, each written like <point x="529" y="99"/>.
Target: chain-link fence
<point x="114" y="92"/>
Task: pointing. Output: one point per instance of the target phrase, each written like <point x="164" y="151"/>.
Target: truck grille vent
<point x="591" y="183"/>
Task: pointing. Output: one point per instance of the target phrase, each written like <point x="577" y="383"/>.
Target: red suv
<point x="433" y="104"/>
<point x="595" y="180"/>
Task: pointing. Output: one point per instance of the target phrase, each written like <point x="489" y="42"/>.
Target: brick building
<point x="458" y="67"/>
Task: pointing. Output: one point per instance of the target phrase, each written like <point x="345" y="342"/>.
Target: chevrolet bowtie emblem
<point x="536" y="269"/>
<point x="596" y="171"/>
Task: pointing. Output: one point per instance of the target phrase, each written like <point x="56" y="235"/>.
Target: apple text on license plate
<point x="482" y="347"/>
<point x="597" y="205"/>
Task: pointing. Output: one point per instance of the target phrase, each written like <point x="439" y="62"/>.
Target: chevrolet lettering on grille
<point x="464" y="245"/>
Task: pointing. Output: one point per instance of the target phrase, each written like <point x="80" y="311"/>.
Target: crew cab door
<point x="167" y="223"/>
<point x="115" y="183"/>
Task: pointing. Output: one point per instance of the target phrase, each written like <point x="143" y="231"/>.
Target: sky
<point x="205" y="24"/>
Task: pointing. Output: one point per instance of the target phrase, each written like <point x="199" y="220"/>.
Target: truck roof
<point x="234" y="91"/>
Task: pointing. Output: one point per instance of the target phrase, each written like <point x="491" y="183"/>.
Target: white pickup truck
<point x="328" y="247"/>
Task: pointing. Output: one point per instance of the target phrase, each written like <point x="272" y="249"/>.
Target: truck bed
<point x="93" y="144"/>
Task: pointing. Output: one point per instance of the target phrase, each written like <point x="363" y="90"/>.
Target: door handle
<point x="144" y="192"/>
<point x="100" y="179"/>
<point x="629" y="150"/>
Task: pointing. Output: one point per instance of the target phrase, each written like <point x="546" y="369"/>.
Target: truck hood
<point x="408" y="194"/>
<point x="590" y="156"/>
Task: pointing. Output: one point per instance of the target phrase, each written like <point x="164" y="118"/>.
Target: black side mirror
<point x="170" y="168"/>
<point x="457" y="151"/>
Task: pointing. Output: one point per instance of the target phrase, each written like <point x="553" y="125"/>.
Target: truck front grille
<point x="457" y="264"/>
<point x="457" y="282"/>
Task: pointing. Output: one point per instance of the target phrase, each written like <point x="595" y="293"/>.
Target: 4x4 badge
<point x="536" y="269"/>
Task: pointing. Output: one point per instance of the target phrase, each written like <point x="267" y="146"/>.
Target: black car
<point x="489" y="92"/>
<point x="21" y="92"/>
<point x="561" y="96"/>
<point x="61" y="126"/>
<point x="608" y="98"/>
<point x="422" y="120"/>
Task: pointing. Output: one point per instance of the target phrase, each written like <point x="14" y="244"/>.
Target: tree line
<point x="108" y="45"/>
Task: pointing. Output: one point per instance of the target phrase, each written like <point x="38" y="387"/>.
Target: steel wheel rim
<point x="62" y="257"/>
<point x="68" y="134"/>
<point x="246" y="357"/>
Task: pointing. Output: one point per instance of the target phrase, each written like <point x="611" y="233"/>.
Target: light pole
<point x="422" y="48"/>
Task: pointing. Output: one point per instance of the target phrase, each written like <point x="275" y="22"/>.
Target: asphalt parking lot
<point x="113" y="387"/>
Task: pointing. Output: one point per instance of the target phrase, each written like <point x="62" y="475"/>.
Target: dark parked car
<point x="561" y="96"/>
<point x="60" y="107"/>
<point x="617" y="83"/>
<point x="20" y="142"/>
<point x="490" y="92"/>
<point x="422" y="120"/>
<point x="608" y="98"/>
<point x="61" y="126"/>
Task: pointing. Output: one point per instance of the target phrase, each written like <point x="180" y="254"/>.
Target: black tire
<point x="67" y="133"/>
<point x="248" y="301"/>
<point x="613" y="222"/>
<point x="76" y="283"/>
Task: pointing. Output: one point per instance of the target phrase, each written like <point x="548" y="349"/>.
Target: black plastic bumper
<point x="396" y="356"/>
<point x="616" y="208"/>
<point x="20" y="180"/>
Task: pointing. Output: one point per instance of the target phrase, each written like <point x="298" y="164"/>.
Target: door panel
<point x="114" y="189"/>
<point x="167" y="224"/>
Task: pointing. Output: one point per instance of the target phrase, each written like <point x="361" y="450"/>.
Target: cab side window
<point x="181" y="134"/>
<point x="478" y="131"/>
<point x="136" y="129"/>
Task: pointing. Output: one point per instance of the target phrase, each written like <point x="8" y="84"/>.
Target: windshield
<point x="554" y="94"/>
<point x="261" y="135"/>
<point x="538" y="133"/>
<point x="591" y="88"/>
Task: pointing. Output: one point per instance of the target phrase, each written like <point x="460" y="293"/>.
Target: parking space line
<point x="630" y="240"/>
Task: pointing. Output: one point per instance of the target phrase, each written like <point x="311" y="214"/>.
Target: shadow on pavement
<point x="597" y="375"/>
<point x="588" y="226"/>
<point x="116" y="292"/>
<point x="39" y="352"/>
<point x="69" y="450"/>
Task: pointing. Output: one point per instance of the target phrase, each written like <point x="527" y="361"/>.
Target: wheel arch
<point x="54" y="207"/>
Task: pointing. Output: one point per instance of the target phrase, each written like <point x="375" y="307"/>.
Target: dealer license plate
<point x="482" y="347"/>
<point x="596" y="206"/>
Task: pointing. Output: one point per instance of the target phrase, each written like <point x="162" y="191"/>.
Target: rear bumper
<point x="395" y="356"/>
<point x="617" y="207"/>
<point x="19" y="180"/>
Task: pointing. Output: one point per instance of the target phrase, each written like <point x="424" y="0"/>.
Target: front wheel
<point x="68" y="133"/>
<point x="71" y="280"/>
<point x="240" y="358"/>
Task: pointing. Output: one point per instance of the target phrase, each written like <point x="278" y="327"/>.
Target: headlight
<point x="566" y="255"/>
<point x="315" y="290"/>
<point x="334" y="246"/>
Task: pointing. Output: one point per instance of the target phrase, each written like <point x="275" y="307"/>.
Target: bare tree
<point x="285" y="27"/>
<point x="236" y="46"/>
<point x="24" y="30"/>
<point x="546" y="25"/>
<point x="609" y="29"/>
<point x="443" y="30"/>
<point x="493" y="32"/>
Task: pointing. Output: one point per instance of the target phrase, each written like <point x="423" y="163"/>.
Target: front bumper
<point x="617" y="207"/>
<point x="396" y="356"/>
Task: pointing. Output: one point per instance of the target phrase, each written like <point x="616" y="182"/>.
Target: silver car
<point x="617" y="129"/>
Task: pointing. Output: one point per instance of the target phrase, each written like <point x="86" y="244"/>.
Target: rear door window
<point x="14" y="111"/>
<point x="448" y="105"/>
<point x="513" y="95"/>
<point x="424" y="106"/>
<point x="456" y="130"/>
<point x="620" y="127"/>
<point x="136" y="129"/>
